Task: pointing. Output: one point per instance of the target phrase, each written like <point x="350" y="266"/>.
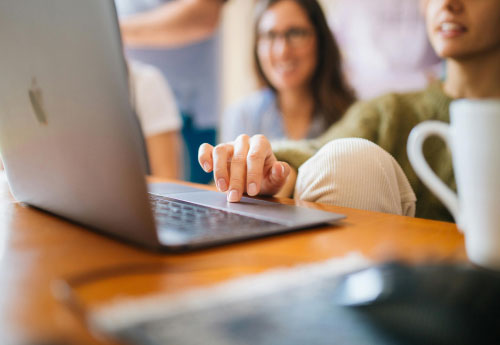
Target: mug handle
<point x="416" y="140"/>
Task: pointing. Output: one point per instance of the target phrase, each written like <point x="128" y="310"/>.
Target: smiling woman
<point x="286" y="48"/>
<point x="299" y="68"/>
<point x="461" y="30"/>
<point x="467" y="34"/>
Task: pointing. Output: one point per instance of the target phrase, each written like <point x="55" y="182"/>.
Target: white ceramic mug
<point x="473" y="137"/>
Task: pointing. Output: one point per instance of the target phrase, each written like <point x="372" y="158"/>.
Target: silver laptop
<point x="71" y="144"/>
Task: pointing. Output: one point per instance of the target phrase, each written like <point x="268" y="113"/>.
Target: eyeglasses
<point x="295" y="37"/>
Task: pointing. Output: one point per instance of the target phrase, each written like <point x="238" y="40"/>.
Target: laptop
<point x="72" y="145"/>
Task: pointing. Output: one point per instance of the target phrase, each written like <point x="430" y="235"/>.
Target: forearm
<point x="174" y="23"/>
<point x="164" y="152"/>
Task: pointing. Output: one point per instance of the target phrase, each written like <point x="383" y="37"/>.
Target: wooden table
<point x="37" y="248"/>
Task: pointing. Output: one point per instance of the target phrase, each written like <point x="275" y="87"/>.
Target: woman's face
<point x="286" y="46"/>
<point x="463" y="28"/>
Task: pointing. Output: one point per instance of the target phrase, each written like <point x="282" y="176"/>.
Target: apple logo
<point x="35" y="94"/>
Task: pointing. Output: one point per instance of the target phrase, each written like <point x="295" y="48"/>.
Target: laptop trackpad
<point x="260" y="209"/>
<point x="165" y="188"/>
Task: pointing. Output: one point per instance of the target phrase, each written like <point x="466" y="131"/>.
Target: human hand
<point x="244" y="165"/>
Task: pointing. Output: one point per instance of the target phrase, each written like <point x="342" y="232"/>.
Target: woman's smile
<point x="449" y="29"/>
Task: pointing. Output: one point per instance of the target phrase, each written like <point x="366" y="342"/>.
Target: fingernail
<point x="283" y="169"/>
<point x="233" y="196"/>
<point x="206" y="166"/>
<point x="221" y="184"/>
<point x="252" y="189"/>
<point x="274" y="171"/>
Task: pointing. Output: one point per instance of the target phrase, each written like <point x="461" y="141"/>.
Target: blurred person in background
<point x="168" y="23"/>
<point x="299" y="67"/>
<point x="180" y="38"/>
<point x="155" y="106"/>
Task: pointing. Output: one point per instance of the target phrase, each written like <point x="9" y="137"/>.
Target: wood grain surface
<point x="37" y="249"/>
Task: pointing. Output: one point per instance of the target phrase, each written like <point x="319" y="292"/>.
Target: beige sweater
<point x="387" y="121"/>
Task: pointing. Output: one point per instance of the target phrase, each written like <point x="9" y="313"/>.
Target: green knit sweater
<point x="387" y="121"/>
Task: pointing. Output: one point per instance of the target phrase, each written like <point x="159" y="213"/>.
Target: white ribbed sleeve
<point x="356" y="173"/>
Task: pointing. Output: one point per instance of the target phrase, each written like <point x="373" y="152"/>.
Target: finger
<point x="279" y="172"/>
<point x="238" y="168"/>
<point x="276" y="177"/>
<point x="259" y="151"/>
<point x="205" y="157"/>
<point x="221" y="154"/>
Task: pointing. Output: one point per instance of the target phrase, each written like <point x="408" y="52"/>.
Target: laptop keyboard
<point x="205" y="222"/>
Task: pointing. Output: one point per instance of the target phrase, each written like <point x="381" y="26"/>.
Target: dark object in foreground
<point x="388" y="304"/>
<point x="427" y="304"/>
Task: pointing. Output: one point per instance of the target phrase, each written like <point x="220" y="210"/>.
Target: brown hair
<point x="332" y="95"/>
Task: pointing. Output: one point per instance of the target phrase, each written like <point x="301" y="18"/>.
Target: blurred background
<point x="383" y="46"/>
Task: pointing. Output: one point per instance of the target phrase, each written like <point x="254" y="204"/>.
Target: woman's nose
<point x="281" y="46"/>
<point x="454" y="6"/>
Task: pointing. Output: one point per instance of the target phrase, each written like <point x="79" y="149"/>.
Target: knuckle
<point x="220" y="172"/>
<point x="259" y="137"/>
<point x="237" y="182"/>
<point x="253" y="176"/>
<point x="242" y="137"/>
<point x="260" y="140"/>
<point x="255" y="155"/>
<point x="275" y="180"/>
<point x="238" y="158"/>
<point x="205" y="146"/>
<point x="220" y="149"/>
